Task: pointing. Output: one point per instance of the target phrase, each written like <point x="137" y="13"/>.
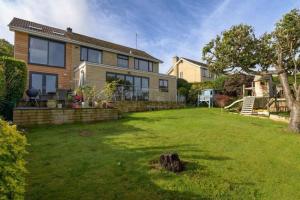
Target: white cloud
<point x="93" y="18"/>
<point x="77" y="14"/>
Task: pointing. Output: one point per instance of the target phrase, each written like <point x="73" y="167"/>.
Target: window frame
<point x="133" y="81"/>
<point x="118" y="57"/>
<point x="43" y="80"/>
<point x="148" y="61"/>
<point x="163" y="89"/>
<point x="87" y="54"/>
<point x="48" y="40"/>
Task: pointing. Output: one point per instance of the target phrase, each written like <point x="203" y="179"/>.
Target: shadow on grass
<point x="97" y="167"/>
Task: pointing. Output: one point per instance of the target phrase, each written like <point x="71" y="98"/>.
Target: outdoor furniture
<point x="33" y="95"/>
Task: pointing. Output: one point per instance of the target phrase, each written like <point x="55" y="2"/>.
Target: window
<point x="90" y="55"/>
<point x="123" y="61"/>
<point x="46" y="52"/>
<point x="45" y="83"/>
<point x="163" y="85"/>
<point x="181" y="75"/>
<point x="81" y="79"/>
<point x="205" y="73"/>
<point x="130" y="87"/>
<point x="143" y="65"/>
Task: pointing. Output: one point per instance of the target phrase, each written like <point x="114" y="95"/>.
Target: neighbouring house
<point x="190" y="70"/>
<point x="62" y="60"/>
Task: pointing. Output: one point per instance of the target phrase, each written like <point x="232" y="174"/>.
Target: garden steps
<point x="248" y="104"/>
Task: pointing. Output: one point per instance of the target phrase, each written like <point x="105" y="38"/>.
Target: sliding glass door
<point x="45" y="83"/>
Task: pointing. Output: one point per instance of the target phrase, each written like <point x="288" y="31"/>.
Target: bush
<point x="221" y="100"/>
<point x="15" y="73"/>
<point x="2" y="86"/>
<point x="196" y="88"/>
<point x="233" y="85"/>
<point x="183" y="87"/>
<point x="12" y="163"/>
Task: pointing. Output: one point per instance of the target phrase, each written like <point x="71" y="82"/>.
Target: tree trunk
<point x="295" y="117"/>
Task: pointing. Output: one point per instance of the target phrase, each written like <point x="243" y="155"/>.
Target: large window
<point x="143" y="65"/>
<point x="130" y="87"/>
<point x="206" y="73"/>
<point x="90" y="55"/>
<point x="45" y="83"/>
<point x="123" y="61"/>
<point x="46" y="52"/>
<point x="163" y="85"/>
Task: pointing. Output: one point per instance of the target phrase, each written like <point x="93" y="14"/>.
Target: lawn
<point x="228" y="157"/>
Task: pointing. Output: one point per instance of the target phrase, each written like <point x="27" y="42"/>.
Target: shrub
<point x="12" y="163"/>
<point x="233" y="85"/>
<point x="221" y="100"/>
<point x="15" y="73"/>
<point x="219" y="83"/>
<point x="183" y="87"/>
<point x="2" y="86"/>
<point x="196" y="89"/>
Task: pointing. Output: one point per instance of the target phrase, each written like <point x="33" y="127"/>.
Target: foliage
<point x="15" y="73"/>
<point x="221" y="100"/>
<point x="183" y="87"/>
<point x="196" y="89"/>
<point x="12" y="163"/>
<point x="233" y="50"/>
<point x="216" y="146"/>
<point x="2" y="86"/>
<point x="6" y="49"/>
<point x="109" y="90"/>
<point x="89" y="93"/>
<point x="219" y="82"/>
<point x="233" y="85"/>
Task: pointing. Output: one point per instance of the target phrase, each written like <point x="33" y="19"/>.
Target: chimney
<point x="69" y="30"/>
<point x="175" y="59"/>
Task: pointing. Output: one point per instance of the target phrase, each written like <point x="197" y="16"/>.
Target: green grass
<point x="229" y="157"/>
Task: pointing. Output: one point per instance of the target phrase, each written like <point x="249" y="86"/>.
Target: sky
<point x="165" y="28"/>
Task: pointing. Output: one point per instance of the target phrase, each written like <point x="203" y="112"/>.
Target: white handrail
<point x="237" y="101"/>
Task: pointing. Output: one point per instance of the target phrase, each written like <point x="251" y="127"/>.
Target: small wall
<point x="136" y="106"/>
<point x="26" y="117"/>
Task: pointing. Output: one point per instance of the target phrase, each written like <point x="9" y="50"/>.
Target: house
<point x="63" y="59"/>
<point x="190" y="70"/>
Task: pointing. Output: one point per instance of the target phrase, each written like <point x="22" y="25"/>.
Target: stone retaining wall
<point x="137" y="106"/>
<point x="27" y="116"/>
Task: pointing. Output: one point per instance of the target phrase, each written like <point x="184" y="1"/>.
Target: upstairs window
<point x="123" y="61"/>
<point x="205" y="73"/>
<point x="143" y="65"/>
<point x="90" y="55"/>
<point x="180" y="74"/>
<point x="163" y="85"/>
<point x="46" y="52"/>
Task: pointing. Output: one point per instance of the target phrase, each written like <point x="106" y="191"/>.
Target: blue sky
<point x="165" y="28"/>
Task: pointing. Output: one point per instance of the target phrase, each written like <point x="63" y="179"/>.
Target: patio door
<point x="45" y="83"/>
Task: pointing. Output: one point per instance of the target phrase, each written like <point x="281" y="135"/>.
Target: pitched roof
<point x="25" y="25"/>
<point x="199" y="64"/>
<point x="195" y="62"/>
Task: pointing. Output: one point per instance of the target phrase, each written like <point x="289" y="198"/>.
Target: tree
<point x="6" y="49"/>
<point x="287" y="49"/>
<point x="233" y="50"/>
<point x="239" y="49"/>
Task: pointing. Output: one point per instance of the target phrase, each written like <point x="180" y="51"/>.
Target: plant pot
<point x="85" y="104"/>
<point x="51" y="103"/>
<point x="75" y="105"/>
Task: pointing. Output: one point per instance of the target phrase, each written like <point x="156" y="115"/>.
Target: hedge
<point x="12" y="163"/>
<point x="15" y="78"/>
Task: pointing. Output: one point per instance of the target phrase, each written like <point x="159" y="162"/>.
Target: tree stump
<point x="171" y="162"/>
